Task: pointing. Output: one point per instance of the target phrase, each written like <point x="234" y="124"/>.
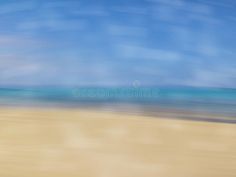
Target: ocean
<point x="212" y="100"/>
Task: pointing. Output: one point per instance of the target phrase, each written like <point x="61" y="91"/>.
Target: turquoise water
<point x="223" y="100"/>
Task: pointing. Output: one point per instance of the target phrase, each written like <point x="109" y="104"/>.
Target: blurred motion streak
<point x="118" y="88"/>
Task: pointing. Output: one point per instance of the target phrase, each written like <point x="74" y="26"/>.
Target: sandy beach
<point x="81" y="143"/>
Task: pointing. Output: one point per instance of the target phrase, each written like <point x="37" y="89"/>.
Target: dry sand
<point x="77" y="143"/>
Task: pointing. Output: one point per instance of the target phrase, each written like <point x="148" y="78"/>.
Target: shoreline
<point x="134" y="110"/>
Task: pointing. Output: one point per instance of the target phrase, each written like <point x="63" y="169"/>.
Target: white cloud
<point x="17" y="7"/>
<point x="183" y="12"/>
<point x="131" y="10"/>
<point x="59" y="24"/>
<point x="138" y="52"/>
<point x="14" y="69"/>
<point x="20" y="70"/>
<point x="9" y="40"/>
<point x="205" y="42"/>
<point x="174" y="3"/>
<point x="90" y="11"/>
<point x="215" y="77"/>
<point x="122" y="30"/>
<point x="16" y="41"/>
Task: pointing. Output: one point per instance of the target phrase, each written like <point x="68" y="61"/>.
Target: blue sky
<point x="118" y="43"/>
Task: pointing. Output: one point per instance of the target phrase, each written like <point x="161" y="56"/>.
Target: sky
<point x="118" y="43"/>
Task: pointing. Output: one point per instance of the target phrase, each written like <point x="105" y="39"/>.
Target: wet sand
<point x="74" y="143"/>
